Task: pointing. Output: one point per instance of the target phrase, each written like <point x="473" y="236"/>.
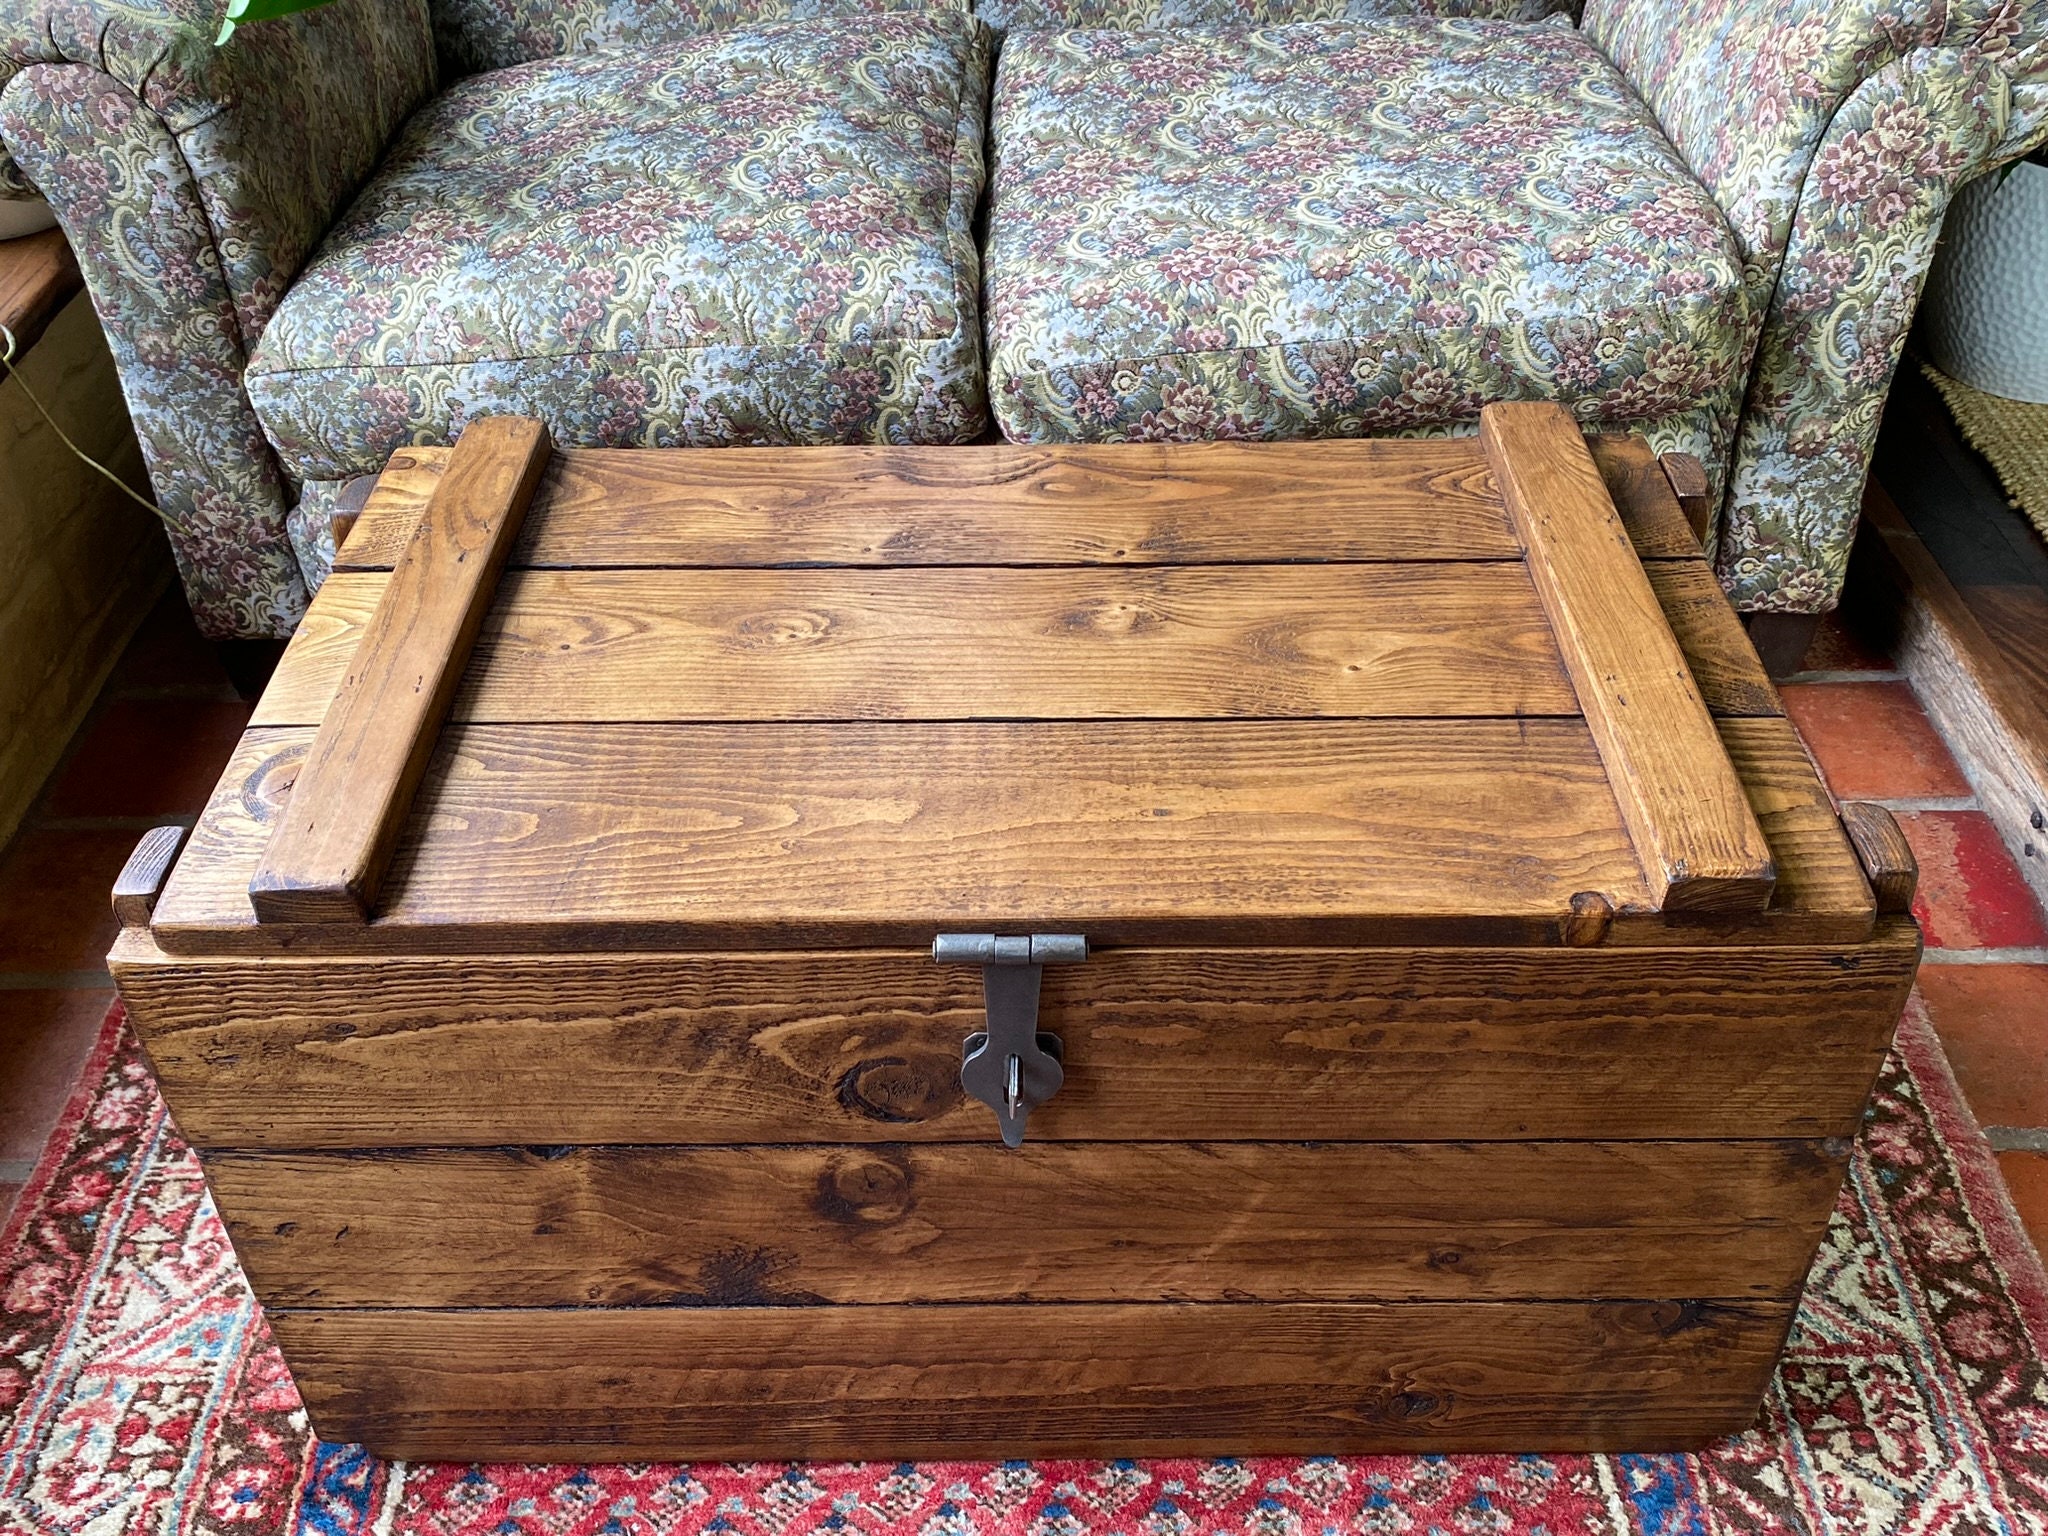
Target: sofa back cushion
<point x="476" y="35"/>
<point x="1155" y="15"/>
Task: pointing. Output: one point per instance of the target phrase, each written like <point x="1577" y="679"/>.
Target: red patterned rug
<point x="139" y="1392"/>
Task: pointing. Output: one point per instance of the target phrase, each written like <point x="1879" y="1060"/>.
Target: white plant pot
<point x="1986" y="315"/>
<point x="24" y="216"/>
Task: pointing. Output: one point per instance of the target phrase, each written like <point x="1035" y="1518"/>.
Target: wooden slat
<point x="1817" y="869"/>
<point x="1980" y="700"/>
<point x="389" y="514"/>
<point x="1730" y="678"/>
<point x="683" y="1383"/>
<point x="38" y="277"/>
<point x="1238" y="832"/>
<point x="348" y="506"/>
<point x="1454" y="507"/>
<point x="808" y="1225"/>
<point x="1327" y="1044"/>
<point x="1886" y="856"/>
<point x="1688" y="478"/>
<point x="1701" y="850"/>
<point x="1643" y="496"/>
<point x="1423" y="639"/>
<point x="992" y="504"/>
<point x="1332" y="641"/>
<point x="141" y="879"/>
<point x="327" y="853"/>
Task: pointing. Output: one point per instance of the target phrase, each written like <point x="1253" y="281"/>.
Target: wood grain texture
<point x="1970" y="688"/>
<point x="1730" y="678"/>
<point x="326" y="855"/>
<point x="1700" y="848"/>
<point x="2016" y="620"/>
<point x="683" y="1383"/>
<point x="1643" y="498"/>
<point x="385" y="521"/>
<point x="38" y="277"/>
<point x="1134" y="832"/>
<point x="348" y="506"/>
<point x="1326" y="1044"/>
<point x="1882" y="850"/>
<point x="977" y="643"/>
<point x="1245" y="509"/>
<point x="1817" y="869"/>
<point x="1201" y="1221"/>
<point x="991" y="504"/>
<point x="141" y="879"/>
<point x="1688" y="480"/>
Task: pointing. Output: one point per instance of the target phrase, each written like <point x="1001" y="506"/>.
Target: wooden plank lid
<point x="1222" y="694"/>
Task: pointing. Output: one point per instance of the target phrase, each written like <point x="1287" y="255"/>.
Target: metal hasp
<point x="1010" y="1066"/>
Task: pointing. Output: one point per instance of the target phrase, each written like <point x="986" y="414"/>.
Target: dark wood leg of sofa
<point x="1781" y="639"/>
<point x="249" y="663"/>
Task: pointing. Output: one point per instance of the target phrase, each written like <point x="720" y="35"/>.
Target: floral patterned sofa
<point x="658" y="222"/>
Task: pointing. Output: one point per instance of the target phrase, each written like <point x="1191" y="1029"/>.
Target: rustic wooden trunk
<point x="1481" y="990"/>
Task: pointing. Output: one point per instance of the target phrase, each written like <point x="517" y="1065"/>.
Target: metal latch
<point x="1011" y="1066"/>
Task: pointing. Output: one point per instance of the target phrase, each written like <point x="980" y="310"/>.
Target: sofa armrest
<point x="1861" y="236"/>
<point x="277" y="129"/>
<point x="1747" y="90"/>
<point x="133" y="212"/>
<point x="193" y="183"/>
<point x="1832" y="134"/>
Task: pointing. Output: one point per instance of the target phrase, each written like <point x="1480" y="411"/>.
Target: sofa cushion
<point x="475" y="35"/>
<point x="1340" y="228"/>
<point x="756" y="236"/>
<point x="1136" y="15"/>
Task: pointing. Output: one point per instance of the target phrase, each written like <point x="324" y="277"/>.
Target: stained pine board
<point x="989" y="504"/>
<point x="1701" y="849"/>
<point x="566" y="859"/>
<point x="596" y="1384"/>
<point x="329" y="847"/>
<point x="1429" y="639"/>
<point x="1642" y="494"/>
<point x="1724" y="664"/>
<point x="1133" y="832"/>
<point x="1748" y="1039"/>
<point x="1195" y="503"/>
<point x="1256" y="640"/>
<point x="1119" y="1221"/>
<point x="1818" y="870"/>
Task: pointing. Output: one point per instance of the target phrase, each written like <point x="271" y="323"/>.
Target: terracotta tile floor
<point x="1985" y="974"/>
<point x="168" y="718"/>
<point x="148" y="753"/>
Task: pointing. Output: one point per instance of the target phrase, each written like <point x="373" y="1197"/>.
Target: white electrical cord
<point x="7" y="362"/>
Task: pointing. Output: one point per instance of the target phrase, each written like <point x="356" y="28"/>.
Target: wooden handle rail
<point x="142" y="878"/>
<point x="1687" y="477"/>
<point x="1685" y="807"/>
<point x="1886" y="856"/>
<point x="335" y="836"/>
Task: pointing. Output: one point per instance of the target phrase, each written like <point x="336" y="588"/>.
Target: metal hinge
<point x="1011" y="1066"/>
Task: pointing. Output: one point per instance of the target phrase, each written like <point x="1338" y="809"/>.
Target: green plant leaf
<point x="240" y="11"/>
